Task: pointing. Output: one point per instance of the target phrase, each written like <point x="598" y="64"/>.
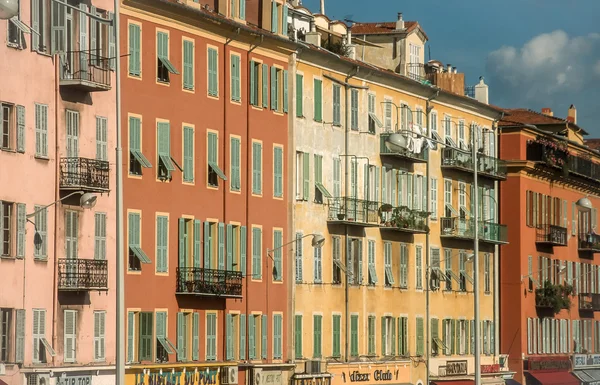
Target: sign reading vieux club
<point x="377" y="375"/>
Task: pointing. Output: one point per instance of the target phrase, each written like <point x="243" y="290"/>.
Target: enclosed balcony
<point x="209" y="282"/>
<point x="399" y="152"/>
<point x="463" y="228"/>
<point x="487" y="166"/>
<point x="403" y="219"/>
<point x="490" y="167"/>
<point x="353" y="211"/>
<point x="551" y="235"/>
<point x="84" y="174"/>
<point x="589" y="242"/>
<point x="82" y="274"/>
<point x="454" y="158"/>
<point x="589" y="302"/>
<point x="85" y="71"/>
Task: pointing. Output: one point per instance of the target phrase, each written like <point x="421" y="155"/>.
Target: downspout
<point x="56" y="197"/>
<point x="290" y="196"/>
<point x="496" y="251"/>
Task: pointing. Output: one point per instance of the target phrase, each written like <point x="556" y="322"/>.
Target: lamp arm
<point x="288" y="243"/>
<point x="95" y="17"/>
<point x="53" y="203"/>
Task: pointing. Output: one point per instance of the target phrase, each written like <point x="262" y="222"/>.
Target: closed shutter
<point x="317" y="100"/>
<point x="285" y="88"/>
<point x="180" y="337"/>
<point x="235" y="78"/>
<point x="70" y="335"/>
<point x="134" y="50"/>
<point x="336" y="105"/>
<point x="305" y="176"/>
<point x="274" y="22"/>
<point x="229" y="248"/>
<point x="354" y="335"/>
<point x="188" y="154"/>
<point x="278" y="336"/>
<point x="21" y="222"/>
<point x="213" y="85"/>
<point x="100" y="236"/>
<point x="161" y="244"/>
<point x="299" y="95"/>
<point x="35" y="25"/>
<point x="58" y="32"/>
<point x="21" y="129"/>
<point x="278" y="171"/>
<point x="274" y="90"/>
<point x="251" y="335"/>
<point x="263" y="345"/>
<point x="420" y="348"/>
<point x="229" y="337"/>
<point x="298" y="336"/>
<point x="243" y="9"/>
<point x="221" y="252"/>
<point x="243" y="250"/>
<point x="188" y="65"/>
<point x="242" y="329"/>
<point x="99" y="330"/>
<point x="131" y="334"/>
<point x="145" y="338"/>
<point x="256" y="168"/>
<point x="265" y="86"/>
<point x="235" y="164"/>
<point x="383" y="337"/>
<point x="336" y="335"/>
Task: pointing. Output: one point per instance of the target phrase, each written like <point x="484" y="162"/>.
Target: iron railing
<point x="84" y="173"/>
<point x="420" y="157"/>
<point x="540" y="152"/>
<point x="352" y="210"/>
<point x="464" y="228"/>
<point x="551" y="234"/>
<point x="470" y="91"/>
<point x="82" y="274"/>
<point x="455" y="158"/>
<point x="490" y="166"/>
<point x="583" y="167"/>
<point x="589" y="242"/>
<point x="209" y="282"/>
<point x="85" y="68"/>
<point x="589" y="301"/>
<point x="416" y="71"/>
<point x="404" y="219"/>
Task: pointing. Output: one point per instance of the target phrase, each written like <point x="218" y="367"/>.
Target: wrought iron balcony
<point x="85" y="70"/>
<point x="491" y="167"/>
<point x="589" y="301"/>
<point x="487" y="166"/>
<point x="82" y="274"/>
<point x="401" y="153"/>
<point x="583" y="167"/>
<point x="403" y="219"/>
<point x="352" y="211"/>
<point x="546" y="151"/>
<point x="457" y="159"/>
<point x="209" y="282"/>
<point x="551" y="235"/>
<point x="589" y="242"/>
<point x="463" y="228"/>
<point x="84" y="174"/>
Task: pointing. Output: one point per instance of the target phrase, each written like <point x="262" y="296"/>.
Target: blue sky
<point x="532" y="53"/>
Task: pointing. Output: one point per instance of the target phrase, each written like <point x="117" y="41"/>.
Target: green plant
<point x="339" y="47"/>
<point x="556" y="297"/>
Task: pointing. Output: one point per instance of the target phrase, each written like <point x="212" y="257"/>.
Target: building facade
<point x="58" y="111"/>
<point x="205" y="119"/>
<point x="394" y="277"/>
<point x="550" y="281"/>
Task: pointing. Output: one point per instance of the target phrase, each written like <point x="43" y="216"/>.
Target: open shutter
<point x="112" y="52"/>
<point x="20" y="336"/>
<point x="197" y="243"/>
<point x="130" y="335"/>
<point x="243" y="249"/>
<point x="196" y="337"/>
<point x="21" y="222"/>
<point x="59" y="18"/>
<point x="221" y="246"/>
<point x="253" y="89"/>
<point x="285" y="85"/>
<point x="229" y="247"/>
<point x="263" y="345"/>
<point x="265" y="86"/>
<point x="393" y="339"/>
<point x="229" y="337"/>
<point x="305" y="176"/>
<point x="242" y="329"/>
<point x="383" y="337"/>
<point x="284" y="19"/>
<point x="180" y="337"/>
<point x="299" y="95"/>
<point x="251" y="335"/>
<point x="35" y="25"/>
<point x="274" y="92"/>
<point x="274" y="17"/>
<point x="207" y="244"/>
<point x="93" y="44"/>
<point x="243" y="9"/>
<point x="21" y="129"/>
<point x="182" y="244"/>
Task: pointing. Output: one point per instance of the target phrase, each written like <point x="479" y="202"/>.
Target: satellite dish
<point x="8" y="9"/>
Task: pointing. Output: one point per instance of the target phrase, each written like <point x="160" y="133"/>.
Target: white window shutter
<point x="20" y="336"/>
<point x="70" y="335"/>
<point x="20" y="129"/>
<point x="21" y="222"/>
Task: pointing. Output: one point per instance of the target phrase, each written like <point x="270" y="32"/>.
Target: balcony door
<point x="72" y="123"/>
<point x="71" y="247"/>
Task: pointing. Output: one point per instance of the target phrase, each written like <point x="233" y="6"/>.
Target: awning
<point x="510" y="381"/>
<point x="589" y="376"/>
<point x="554" y="378"/>
<point x="458" y="382"/>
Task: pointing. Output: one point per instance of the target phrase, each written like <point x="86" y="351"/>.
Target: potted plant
<point x="555" y="297"/>
<point x="384" y="208"/>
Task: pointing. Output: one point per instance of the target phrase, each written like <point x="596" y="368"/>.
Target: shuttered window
<point x="235" y="78"/>
<point x="277" y="255"/>
<point x="213" y="74"/>
<point x="403" y="336"/>
<point x="298" y="336"/>
<point x="214" y="171"/>
<point x="229" y="334"/>
<point x="188" y="65"/>
<point x="354" y="335"/>
<point x="299" y="95"/>
<point x="318" y="104"/>
<point x="256" y="253"/>
<point x="265" y="86"/>
<point x="100" y="236"/>
<point x="99" y="335"/>
<point x="317" y="336"/>
<point x="278" y="171"/>
<point x="131" y="336"/>
<point x="420" y="340"/>
<point x="371" y="335"/>
<point x="264" y="335"/>
<point x="354" y="109"/>
<point x="164" y="65"/>
<point x="242" y="330"/>
<point x="337" y="326"/>
<point x="101" y="138"/>
<point x="137" y="160"/>
<point x="135" y="41"/>
<point x="183" y="336"/>
<point x="299" y="257"/>
<point x="235" y="174"/>
<point x="251" y="337"/>
<point x="145" y="336"/>
<point x="277" y="336"/>
<point x="188" y="154"/>
<point x="39" y="336"/>
<point x="70" y="335"/>
<point x="162" y="233"/>
<point x="41" y="130"/>
<point x="256" y="168"/>
<point x="211" y="336"/>
<point x="336" y="105"/>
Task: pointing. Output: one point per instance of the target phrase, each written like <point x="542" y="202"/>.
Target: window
<point x="434" y="198"/>
<point x="463" y="332"/>
<point x="387" y="258"/>
<point x="211" y="336"/>
<point x="278" y="87"/>
<point x="448" y="208"/>
<point x="449" y="273"/>
<point x="16" y="29"/>
<point x="100" y="236"/>
<point x="277" y="255"/>
<point x="236" y="89"/>
<point x="448" y="336"/>
<point x="39" y="15"/>
<point x="256" y="253"/>
<point x="135" y="44"/>
<point x="403" y="266"/>
<point x="188" y="154"/>
<point x="419" y="339"/>
<point x="259" y="84"/>
<point x="298" y="336"/>
<point x="235" y="162"/>
<point x="337" y="267"/>
<point x="6" y="322"/>
<point x="486" y="273"/>
<point x="237" y="9"/>
<point x="166" y="163"/>
<point x="277" y="336"/>
<point x="373" y="119"/>
<point x="99" y="335"/>
<point x="210" y="238"/>
<point x="137" y="256"/>
<point x="337" y="177"/>
<point x="371" y="335"/>
<point x="336" y="322"/>
<point x="354" y="335"/>
<point x="274" y="16"/>
<point x="70" y="335"/>
<point x="320" y="190"/>
<point x="41" y="130"/>
<point x="436" y="344"/>
<point x="12" y="119"/>
<point x="213" y="72"/>
<point x="257" y="168"/>
<point x="318" y="105"/>
<point x="419" y="267"/>
<point x="232" y="336"/>
<point x="214" y="172"/>
<point x="318" y="265"/>
<point x="317" y="336"/>
<point x="336" y="105"/>
<point x="137" y="160"/>
<point x="163" y="66"/>
<point x="354" y="109"/>
<point x="188" y="64"/>
<point x="388" y="336"/>
<point x="162" y="234"/>
<point x="403" y="336"/>
<point x="302" y="175"/>
<point x="254" y="335"/>
<point x="354" y="261"/>
<point x="371" y="262"/>
<point x="387" y="120"/>
<point x="12" y="229"/>
<point x="145" y="336"/>
<point x="278" y="171"/>
<point x="40" y="344"/>
<point x="164" y="347"/>
<point x="299" y="95"/>
<point x="462" y="269"/>
<point x="298" y="257"/>
<point x="101" y="136"/>
<point x="40" y="252"/>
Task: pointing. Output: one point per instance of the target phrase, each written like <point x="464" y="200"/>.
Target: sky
<point x="532" y="53"/>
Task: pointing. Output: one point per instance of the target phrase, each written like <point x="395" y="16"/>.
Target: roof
<point x="518" y="116"/>
<point x="385" y="28"/>
<point x="594" y="144"/>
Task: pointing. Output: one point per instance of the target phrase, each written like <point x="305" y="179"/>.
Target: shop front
<point x="462" y="372"/>
<point x="586" y="367"/>
<point x="364" y="373"/>
<point x="177" y="374"/>
<point x="549" y="371"/>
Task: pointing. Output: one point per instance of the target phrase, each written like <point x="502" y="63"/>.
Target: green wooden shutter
<point x="253" y="80"/>
<point x="229" y="247"/>
<point x="420" y="337"/>
<point x="318" y="102"/>
<point x="354" y="335"/>
<point x="393" y="339"/>
<point x="188" y="154"/>
<point x="452" y="336"/>
<point x="207" y="246"/>
<point x="274" y="101"/>
<point x="274" y="17"/>
<point x="265" y="86"/>
<point x="256" y="168"/>
<point x="336" y="336"/>
<point x="21" y="129"/>
<point x="317" y="336"/>
<point x="235" y="78"/>
<point x="188" y="64"/>
<point x="180" y="336"/>
<point x="235" y="164"/>
<point x="284" y="19"/>
<point x="243" y="248"/>
<point x="305" y="175"/>
<point x="285" y="89"/>
<point x="263" y="345"/>
<point x="277" y="336"/>
<point x="196" y="337"/>
<point x="197" y="243"/>
<point x="383" y="337"/>
<point x="299" y="95"/>
<point x="213" y="85"/>
<point x="221" y="246"/>
<point x="242" y="329"/>
<point x="336" y="104"/>
<point x="277" y="261"/>
<point x="278" y="172"/>
<point x="298" y="336"/>
<point x="229" y="337"/>
<point x="251" y="335"/>
<point x="468" y="338"/>
<point x="130" y="335"/>
<point x="182" y="244"/>
<point x="243" y="9"/>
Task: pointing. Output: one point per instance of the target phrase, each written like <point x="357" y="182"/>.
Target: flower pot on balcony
<point x="341" y="217"/>
<point x="190" y="287"/>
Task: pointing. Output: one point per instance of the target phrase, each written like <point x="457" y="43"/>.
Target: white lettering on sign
<point x="75" y="380"/>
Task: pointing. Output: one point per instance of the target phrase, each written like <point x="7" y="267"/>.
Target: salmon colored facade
<point x="552" y="244"/>
<point x="202" y="291"/>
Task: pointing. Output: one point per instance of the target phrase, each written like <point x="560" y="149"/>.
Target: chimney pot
<point x="399" y="22"/>
<point x="399" y="15"/>
<point x="547" y="111"/>
<point x="572" y="114"/>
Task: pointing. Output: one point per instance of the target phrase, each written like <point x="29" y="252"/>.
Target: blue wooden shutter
<point x="221" y="236"/>
<point x="278" y="172"/>
<point x="274" y="17"/>
<point x="274" y="89"/>
<point x="188" y="64"/>
<point x="180" y="337"/>
<point x="243" y="250"/>
<point x="263" y="345"/>
<point x="265" y="86"/>
<point x="243" y="9"/>
<point x="235" y="78"/>
<point x="130" y="336"/>
<point x="197" y="243"/>
<point x="251" y="335"/>
<point x="253" y="80"/>
<point x="229" y="337"/>
<point x="284" y="20"/>
<point x="285" y="89"/>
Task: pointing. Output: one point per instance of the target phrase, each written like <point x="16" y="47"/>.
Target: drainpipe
<point x="293" y="65"/>
<point x="496" y="253"/>
<point x="56" y="197"/>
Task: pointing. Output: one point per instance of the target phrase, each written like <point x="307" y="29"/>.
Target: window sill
<point x="8" y="150"/>
<point x="8" y="257"/>
<point x="15" y="46"/>
<point x="42" y="260"/>
<point x="42" y="157"/>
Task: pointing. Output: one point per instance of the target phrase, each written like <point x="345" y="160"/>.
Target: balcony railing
<point x="589" y="242"/>
<point x="416" y="71"/>
<point x="85" y="70"/>
<point x="404" y="219"/>
<point x="487" y="166"/>
<point x="470" y="91"/>
<point x="455" y="158"/>
<point x="491" y="167"/>
<point x="209" y="282"/>
<point x="583" y="167"/>
<point x="84" y="174"/>
<point x="545" y="152"/>
<point x="455" y="227"/>
<point x="352" y="211"/>
<point x="82" y="274"/>
<point x="589" y="301"/>
<point x="420" y="157"/>
<point x="551" y="235"/>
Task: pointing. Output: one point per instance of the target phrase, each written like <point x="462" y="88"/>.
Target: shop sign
<point x="271" y="377"/>
<point x="74" y="380"/>
<point x="376" y="375"/>
<point x="585" y="360"/>
<point x="169" y="377"/>
<point x="549" y="363"/>
<point x="493" y="368"/>
<point x="453" y="368"/>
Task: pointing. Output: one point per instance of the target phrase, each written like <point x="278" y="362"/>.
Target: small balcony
<point x="209" y="282"/>
<point x="85" y="71"/>
<point x="551" y="235"/>
<point x="403" y="219"/>
<point x="547" y="151"/>
<point x="453" y="158"/>
<point x="589" y="242"/>
<point x="487" y="166"/>
<point x="82" y="274"/>
<point x="463" y="228"/>
<point x="493" y="168"/>
<point x="353" y="211"/>
<point x="589" y="302"/>
<point x="84" y="174"/>
<point x="416" y="71"/>
<point x="405" y="154"/>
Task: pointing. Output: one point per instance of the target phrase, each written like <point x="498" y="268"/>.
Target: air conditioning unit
<point x="2" y="369"/>
<point x="38" y="379"/>
<point x="229" y="376"/>
<point x="315" y="367"/>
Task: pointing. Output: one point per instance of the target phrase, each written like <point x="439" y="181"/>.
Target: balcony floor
<point x="467" y="238"/>
<point x="351" y="223"/>
<point x="403" y="230"/>
<point x="84" y="85"/>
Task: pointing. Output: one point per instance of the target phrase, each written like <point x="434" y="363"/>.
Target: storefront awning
<point x="554" y="378"/>
<point x="588" y="376"/>
<point x="458" y="382"/>
<point x="510" y="381"/>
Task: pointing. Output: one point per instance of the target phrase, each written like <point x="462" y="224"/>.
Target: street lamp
<point x="8" y="9"/>
<point x="584" y="204"/>
<point x="86" y="201"/>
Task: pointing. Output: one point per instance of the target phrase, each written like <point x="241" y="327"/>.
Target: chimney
<point x="547" y="111"/>
<point x="399" y="22"/>
<point x="351" y="47"/>
<point x="482" y="91"/>
<point x="313" y="37"/>
<point x="322" y="7"/>
<point x="449" y="68"/>
<point x="572" y="114"/>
